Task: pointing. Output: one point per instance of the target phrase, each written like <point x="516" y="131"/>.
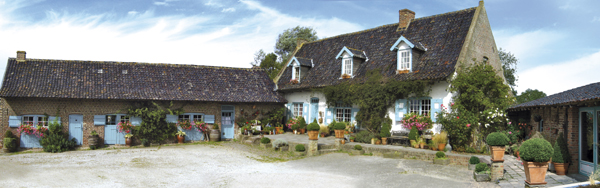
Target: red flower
<point x="468" y="125"/>
<point x="457" y="117"/>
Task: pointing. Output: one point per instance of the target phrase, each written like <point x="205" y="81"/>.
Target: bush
<point x="93" y="147"/>
<point x="265" y="140"/>
<point x="536" y="150"/>
<point x="364" y="136"/>
<point x="441" y="138"/>
<point x="145" y="142"/>
<point x="9" y="134"/>
<point x="339" y="126"/>
<point x="331" y="125"/>
<point x="474" y="160"/>
<point x="481" y="167"/>
<point x="10" y="144"/>
<point x="56" y="140"/>
<point x="497" y="139"/>
<point x="564" y="150"/>
<point x="314" y="126"/>
<point x="300" y="148"/>
<point x="295" y="127"/>
<point x="357" y="147"/>
<point x="154" y="126"/>
<point x="279" y="143"/>
<point x="440" y="155"/>
<point x="302" y="123"/>
<point x="413" y="134"/>
<point x="557" y="156"/>
<point x="386" y="127"/>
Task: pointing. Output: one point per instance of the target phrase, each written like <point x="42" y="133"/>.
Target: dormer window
<point x="300" y="67"/>
<point x="350" y="60"/>
<point x="296" y="75"/>
<point x="404" y="60"/>
<point x="404" y="49"/>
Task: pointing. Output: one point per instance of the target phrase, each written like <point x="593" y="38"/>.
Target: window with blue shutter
<point x="99" y="120"/>
<point x="436" y="107"/>
<point x="14" y="121"/>
<point x="400" y="109"/>
<point x="305" y="111"/>
<point x="171" y="118"/>
<point x="209" y="119"/>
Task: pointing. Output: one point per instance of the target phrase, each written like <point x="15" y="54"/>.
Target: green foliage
<point x="357" y="147"/>
<point x="481" y="167"/>
<point x="536" y="150"/>
<point x="413" y="134"/>
<point x="314" y="126"/>
<point x="386" y="128"/>
<point x="93" y="147"/>
<point x="470" y="150"/>
<point x="94" y="133"/>
<point x="374" y="97"/>
<point x="9" y="134"/>
<point x="295" y="127"/>
<point x="56" y="140"/>
<point x="497" y="139"/>
<point x="509" y="65"/>
<point x="287" y="41"/>
<point x="339" y="126"/>
<point x="364" y="136"/>
<point x="474" y="160"/>
<point x="530" y="95"/>
<point x="300" y="148"/>
<point x="331" y="126"/>
<point x="557" y="156"/>
<point x="10" y="144"/>
<point x="265" y="140"/>
<point x="302" y="123"/>
<point x="154" y="126"/>
<point x="268" y="62"/>
<point x="440" y="155"/>
<point x="145" y="142"/>
<point x="564" y="150"/>
<point x="478" y="106"/>
<point x="274" y="117"/>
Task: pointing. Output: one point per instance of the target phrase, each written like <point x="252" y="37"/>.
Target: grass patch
<point x="24" y="152"/>
<point x="267" y="159"/>
<point x="368" y="154"/>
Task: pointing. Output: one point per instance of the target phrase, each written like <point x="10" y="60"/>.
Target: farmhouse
<point x="430" y="48"/>
<point x="88" y="96"/>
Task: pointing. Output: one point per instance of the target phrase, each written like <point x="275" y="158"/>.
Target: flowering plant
<point x="201" y="126"/>
<point x="421" y="122"/>
<point x="128" y="135"/>
<point x="292" y="122"/>
<point x="294" y="81"/>
<point x="124" y="127"/>
<point x="39" y="131"/>
<point x="184" y="124"/>
<point x="180" y="133"/>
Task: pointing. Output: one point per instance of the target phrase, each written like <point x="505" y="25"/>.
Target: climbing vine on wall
<point x="154" y="127"/>
<point x="374" y="96"/>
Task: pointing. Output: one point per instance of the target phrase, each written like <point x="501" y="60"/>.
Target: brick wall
<point x="88" y="108"/>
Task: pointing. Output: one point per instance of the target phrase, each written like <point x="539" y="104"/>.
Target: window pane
<point x="184" y="117"/>
<point x="43" y="121"/>
<point x="587" y="137"/>
<point x="111" y="119"/>
<point x="425" y="107"/>
<point x="197" y="117"/>
<point x="28" y="120"/>
<point x="297" y="76"/>
<point x="348" y="67"/>
<point x="414" y="106"/>
<point x="124" y="119"/>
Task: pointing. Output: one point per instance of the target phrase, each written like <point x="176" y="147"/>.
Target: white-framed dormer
<point x="403" y="49"/>
<point x="295" y="64"/>
<point x="350" y="60"/>
<point x="300" y="67"/>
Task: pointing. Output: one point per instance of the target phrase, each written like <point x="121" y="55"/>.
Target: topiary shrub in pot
<point x="440" y="158"/>
<point x="564" y="150"/>
<point x="299" y="149"/>
<point x="339" y="129"/>
<point x="472" y="162"/>
<point x="412" y="136"/>
<point x="497" y="142"/>
<point x="265" y="142"/>
<point x="535" y="154"/>
<point x="557" y="160"/>
<point x="482" y="172"/>
<point x="313" y="130"/>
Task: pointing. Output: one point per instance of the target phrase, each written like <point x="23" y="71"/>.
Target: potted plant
<point x="420" y="142"/>
<point x="324" y="131"/>
<point x="440" y="158"/>
<point x="473" y="161"/>
<point x="215" y="133"/>
<point x="497" y="142"/>
<point x="352" y="138"/>
<point x="339" y="129"/>
<point x="265" y="143"/>
<point x="557" y="160"/>
<point x="536" y="153"/>
<point x="440" y="140"/>
<point x="93" y="140"/>
<point x="301" y="125"/>
<point x="482" y="172"/>
<point x="384" y="132"/>
<point x="295" y="127"/>
<point x="345" y="76"/>
<point x="432" y="145"/>
<point x="280" y="145"/>
<point x="357" y="150"/>
<point x="350" y="128"/>
<point x="377" y="141"/>
<point x="180" y="135"/>
<point x="412" y="136"/>
<point x="313" y="130"/>
<point x="128" y="137"/>
<point x="299" y="149"/>
<point x="564" y="150"/>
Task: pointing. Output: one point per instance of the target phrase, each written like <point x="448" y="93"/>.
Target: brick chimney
<point x="21" y="55"/>
<point x="405" y="17"/>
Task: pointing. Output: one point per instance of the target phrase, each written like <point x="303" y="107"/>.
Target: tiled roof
<point x="304" y="62"/>
<point x="442" y="35"/>
<point x="580" y="94"/>
<point x="137" y="81"/>
<point x="357" y="53"/>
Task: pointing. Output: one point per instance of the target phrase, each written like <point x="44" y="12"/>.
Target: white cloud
<point x="559" y="77"/>
<point x="228" y="9"/>
<point x="133" y="12"/>
<point x="164" y="3"/>
<point x="212" y="3"/>
<point x="527" y="45"/>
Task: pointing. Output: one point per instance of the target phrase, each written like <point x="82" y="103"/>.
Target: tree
<point x="509" y="64"/>
<point x="270" y="64"/>
<point x="287" y="41"/>
<point x="259" y="56"/>
<point x="530" y="95"/>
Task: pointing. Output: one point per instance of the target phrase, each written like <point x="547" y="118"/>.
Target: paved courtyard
<point x="226" y="164"/>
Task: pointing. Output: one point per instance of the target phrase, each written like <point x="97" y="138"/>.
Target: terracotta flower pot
<point x="343" y="141"/>
<point x="278" y="130"/>
<point x="339" y="133"/>
<point x="128" y="141"/>
<point x="351" y="140"/>
<point x="377" y="142"/>
<point x="313" y="135"/>
<point x="179" y="139"/>
<point x="441" y="146"/>
<point x="497" y="153"/>
<point x="535" y="172"/>
<point x="384" y="141"/>
<point x="561" y="168"/>
<point x="302" y="131"/>
<point x="422" y="145"/>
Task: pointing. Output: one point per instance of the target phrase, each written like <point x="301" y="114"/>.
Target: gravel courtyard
<point x="225" y="164"/>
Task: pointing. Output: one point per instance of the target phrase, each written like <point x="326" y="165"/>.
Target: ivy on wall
<point x="154" y="127"/>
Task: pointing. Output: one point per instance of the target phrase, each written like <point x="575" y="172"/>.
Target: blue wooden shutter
<point x="52" y="118"/>
<point x="353" y="115"/>
<point x="99" y="119"/>
<point x="401" y="106"/>
<point x="209" y="119"/>
<point x="14" y="121"/>
<point x="436" y="108"/>
<point x="135" y="121"/>
<point x="305" y="111"/>
<point x="328" y="116"/>
<point x="289" y="113"/>
<point x="171" y="118"/>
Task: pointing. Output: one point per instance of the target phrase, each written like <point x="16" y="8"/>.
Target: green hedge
<point x="300" y="148"/>
<point x="265" y="140"/>
<point x="474" y="160"/>
<point x="364" y="136"/>
<point x="536" y="150"/>
<point x="481" y="167"/>
<point x="440" y="154"/>
<point x="314" y="126"/>
<point x="497" y="139"/>
<point x="357" y="147"/>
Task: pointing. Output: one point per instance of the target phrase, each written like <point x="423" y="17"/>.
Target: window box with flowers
<point x="421" y="122"/>
<point x="294" y="81"/>
<point x="202" y="127"/>
<point x="31" y="134"/>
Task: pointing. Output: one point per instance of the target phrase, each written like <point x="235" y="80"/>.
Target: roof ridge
<point x="443" y="14"/>
<point x="148" y="63"/>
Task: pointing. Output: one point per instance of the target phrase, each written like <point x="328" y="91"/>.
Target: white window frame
<point x="420" y="106"/>
<point x="297" y="109"/>
<point x="35" y="120"/>
<point x="191" y="117"/>
<point x="405" y="59"/>
<point x="347" y="62"/>
<point x="343" y="113"/>
<point x="118" y="118"/>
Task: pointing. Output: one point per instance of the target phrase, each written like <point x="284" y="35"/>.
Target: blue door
<point x="110" y="134"/>
<point x="227" y="118"/>
<point x="76" y="128"/>
<point x="314" y="110"/>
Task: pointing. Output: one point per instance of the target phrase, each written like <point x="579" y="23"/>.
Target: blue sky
<point x="556" y="41"/>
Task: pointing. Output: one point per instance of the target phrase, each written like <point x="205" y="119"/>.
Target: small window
<point x="184" y="117"/>
<point x="405" y="60"/>
<point x="124" y="118"/>
<point x="348" y="66"/>
<point x="124" y="71"/>
<point x="297" y="73"/>
<point x="541" y="126"/>
<point x="485" y="59"/>
<point x="43" y="121"/>
<point x="28" y="120"/>
<point x="100" y="71"/>
<point x="297" y="109"/>
<point x="111" y="119"/>
<point x="197" y="118"/>
<point x="422" y="107"/>
<point x="343" y="113"/>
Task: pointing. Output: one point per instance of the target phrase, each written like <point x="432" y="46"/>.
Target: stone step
<point x="321" y="147"/>
<point x="326" y="151"/>
<point x="252" y="140"/>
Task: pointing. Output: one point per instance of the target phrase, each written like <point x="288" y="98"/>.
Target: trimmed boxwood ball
<point x="265" y="140"/>
<point x="536" y="150"/>
<point x="481" y="167"/>
<point x="497" y="139"/>
<point x="413" y="133"/>
<point x="440" y="155"/>
<point x="314" y="126"/>
<point x="557" y="156"/>
<point x="339" y="126"/>
<point x="357" y="147"/>
<point x="300" y="148"/>
<point x="474" y="160"/>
